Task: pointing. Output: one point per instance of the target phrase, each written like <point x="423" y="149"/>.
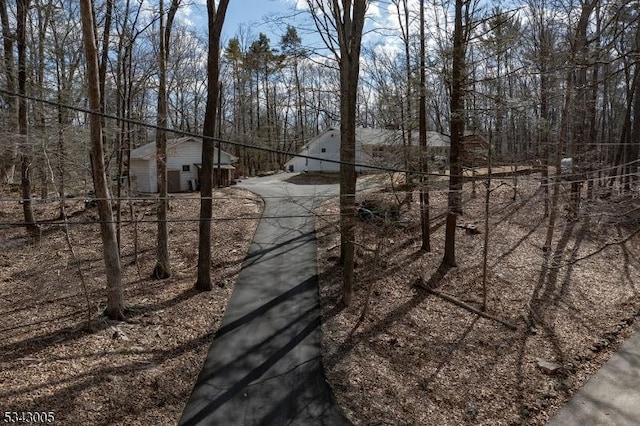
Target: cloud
<point x="298" y="4"/>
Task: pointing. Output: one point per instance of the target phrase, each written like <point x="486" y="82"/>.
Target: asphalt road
<point x="264" y="366"/>
<point x="611" y="396"/>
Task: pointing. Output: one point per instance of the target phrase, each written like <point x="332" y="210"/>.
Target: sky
<point x="255" y="15"/>
<point x="251" y="17"/>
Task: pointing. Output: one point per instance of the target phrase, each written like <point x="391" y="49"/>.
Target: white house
<point x="379" y="147"/>
<point x="184" y="160"/>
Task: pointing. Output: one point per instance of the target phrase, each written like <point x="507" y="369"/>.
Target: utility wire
<point x="257" y="148"/>
<point x="564" y="179"/>
<point x="311" y="157"/>
<point x="208" y="138"/>
<point x="213" y="219"/>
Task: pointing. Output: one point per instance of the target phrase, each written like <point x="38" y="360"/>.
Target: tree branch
<point x="466" y="306"/>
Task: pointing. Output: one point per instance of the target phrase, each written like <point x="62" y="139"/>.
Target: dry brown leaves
<point x="418" y="359"/>
<point x="138" y="372"/>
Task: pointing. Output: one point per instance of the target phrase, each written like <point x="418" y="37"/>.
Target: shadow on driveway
<point x="264" y="366"/>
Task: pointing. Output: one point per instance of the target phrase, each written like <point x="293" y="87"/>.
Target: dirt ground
<point x="421" y="360"/>
<point x="138" y="372"/>
<point x="415" y="359"/>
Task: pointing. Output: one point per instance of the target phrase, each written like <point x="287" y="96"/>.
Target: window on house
<point x="186" y="168"/>
<point x="323" y="150"/>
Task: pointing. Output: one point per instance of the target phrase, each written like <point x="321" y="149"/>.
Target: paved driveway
<point x="264" y="365"/>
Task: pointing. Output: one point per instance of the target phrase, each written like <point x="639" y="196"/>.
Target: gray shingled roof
<point x="148" y="151"/>
<point x="369" y="136"/>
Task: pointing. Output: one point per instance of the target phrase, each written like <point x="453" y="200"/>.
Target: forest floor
<point x="137" y="372"/>
<point x="417" y="358"/>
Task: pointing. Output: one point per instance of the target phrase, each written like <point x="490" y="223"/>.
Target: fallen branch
<point x="470" y="228"/>
<point x="466" y="306"/>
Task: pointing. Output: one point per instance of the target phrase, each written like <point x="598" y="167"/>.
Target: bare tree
<point x="115" y="298"/>
<point x="67" y="66"/>
<point x="406" y="111"/>
<point x="216" y="20"/>
<point x="345" y="19"/>
<point x="424" y="192"/>
<point x="350" y="23"/>
<point x="292" y="49"/>
<point x="23" y="125"/>
<point x="578" y="42"/>
<point x="457" y="130"/>
<point x="162" y="269"/>
<point x="8" y="164"/>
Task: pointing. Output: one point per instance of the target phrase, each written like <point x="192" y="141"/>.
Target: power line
<point x="208" y="138"/>
<point x="170" y="198"/>
<point x="213" y="219"/>
<point x="273" y="150"/>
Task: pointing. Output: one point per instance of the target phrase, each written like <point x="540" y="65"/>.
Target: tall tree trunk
<point x="162" y="269"/>
<point x="485" y="247"/>
<point x="43" y="16"/>
<point x="349" y="21"/>
<point x="8" y="165"/>
<point x="102" y="78"/>
<point x="61" y="152"/>
<point x="104" y="56"/>
<point x="635" y="126"/>
<point x="216" y="20"/>
<point x="65" y="73"/>
<point x="115" y="298"/>
<point x="555" y="197"/>
<point x="424" y="169"/>
<point x="454" y="204"/>
<point x="219" y="114"/>
<point x="544" y="115"/>
<point x="299" y="135"/>
<point x="23" y="125"/>
<point x="579" y="111"/>
<point x="406" y="113"/>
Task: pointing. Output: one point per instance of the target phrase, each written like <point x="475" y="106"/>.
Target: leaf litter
<point x="419" y="359"/>
<point x="138" y="372"/>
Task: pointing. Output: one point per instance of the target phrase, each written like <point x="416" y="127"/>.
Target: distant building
<point x="374" y="147"/>
<point x="475" y="150"/>
<point x="184" y="161"/>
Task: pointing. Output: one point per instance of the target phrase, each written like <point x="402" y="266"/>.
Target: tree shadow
<point x="390" y="318"/>
<point x="627" y="262"/>
<point x="64" y="399"/>
<point x="66" y="335"/>
<point x="427" y="381"/>
<point x="268" y="349"/>
<point x="258" y="252"/>
<point x="547" y="295"/>
<point x="513" y="209"/>
<point x="517" y="244"/>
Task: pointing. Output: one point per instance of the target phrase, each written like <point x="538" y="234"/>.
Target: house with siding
<point x="184" y="161"/>
<point x="374" y="147"/>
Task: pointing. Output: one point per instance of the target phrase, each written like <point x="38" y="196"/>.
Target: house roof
<point x="371" y="136"/>
<point x="392" y="137"/>
<point x="148" y="151"/>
